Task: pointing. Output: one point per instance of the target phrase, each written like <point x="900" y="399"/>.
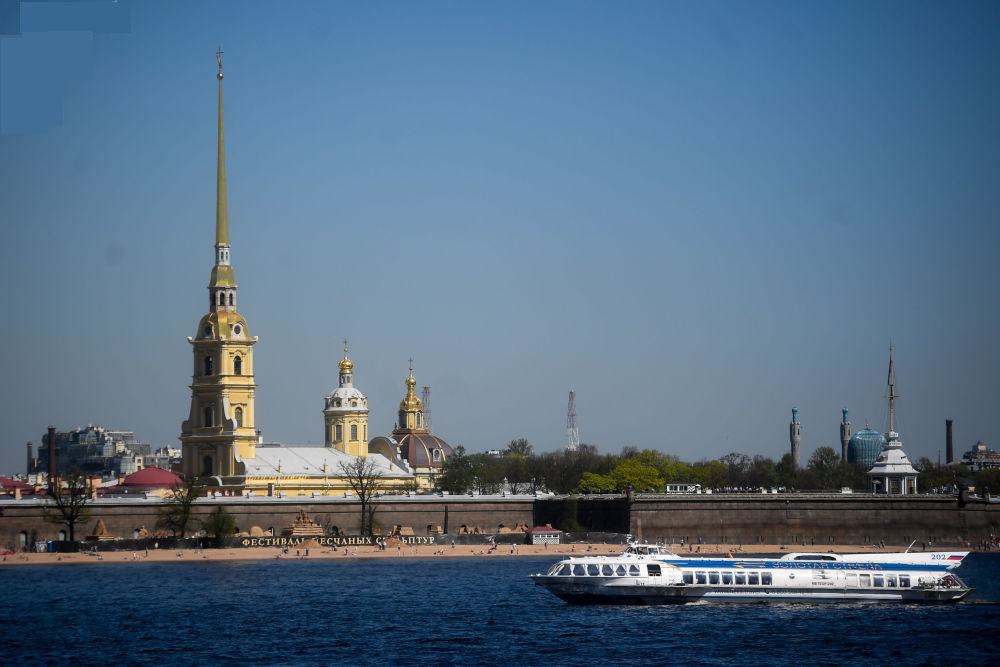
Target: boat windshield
<point x="643" y="550"/>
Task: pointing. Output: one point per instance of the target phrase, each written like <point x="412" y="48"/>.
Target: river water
<point x="451" y="611"/>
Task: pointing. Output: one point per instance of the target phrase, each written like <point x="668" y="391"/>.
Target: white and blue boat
<point x="650" y="574"/>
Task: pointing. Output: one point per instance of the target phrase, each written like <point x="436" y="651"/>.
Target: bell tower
<point x="220" y="428"/>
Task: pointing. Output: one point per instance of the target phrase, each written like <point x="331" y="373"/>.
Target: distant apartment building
<point x="95" y="450"/>
<point x="981" y="457"/>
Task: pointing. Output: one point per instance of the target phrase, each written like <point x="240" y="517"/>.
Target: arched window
<point x="220" y="298"/>
<point x="207" y="416"/>
<point x="239" y="417"/>
<point x="206" y="466"/>
<point x="209" y="365"/>
<point x="230" y="298"/>
<point x="437" y="455"/>
<point x="340" y="434"/>
<point x="354" y="431"/>
<point x="238" y="365"/>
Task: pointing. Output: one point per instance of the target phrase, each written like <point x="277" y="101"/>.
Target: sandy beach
<point x="404" y="551"/>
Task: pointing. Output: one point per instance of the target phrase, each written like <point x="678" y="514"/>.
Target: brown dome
<point x="152" y="478"/>
<point x="419" y="449"/>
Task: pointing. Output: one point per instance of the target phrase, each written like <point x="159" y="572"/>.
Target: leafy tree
<point x="521" y="447"/>
<point x="364" y="477"/>
<point x="457" y="474"/>
<point x="737" y="467"/>
<point x="763" y="473"/>
<point x="69" y="505"/>
<point x="710" y="474"/>
<point x="594" y="483"/>
<point x="822" y="468"/>
<point x="177" y="513"/>
<point x="220" y="524"/>
<point x="788" y="475"/>
<point x="636" y="474"/>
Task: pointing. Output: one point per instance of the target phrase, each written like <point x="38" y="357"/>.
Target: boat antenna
<point x="910" y="547"/>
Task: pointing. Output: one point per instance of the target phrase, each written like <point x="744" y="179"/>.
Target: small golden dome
<point x="346" y="365"/>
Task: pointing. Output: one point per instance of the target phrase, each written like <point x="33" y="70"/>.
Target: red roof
<point x="8" y="483"/>
<point x="152" y="478"/>
<point x="543" y="529"/>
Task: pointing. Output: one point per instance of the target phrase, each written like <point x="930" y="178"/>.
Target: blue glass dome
<point x="864" y="447"/>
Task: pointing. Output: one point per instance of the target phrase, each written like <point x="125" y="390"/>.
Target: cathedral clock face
<point x="237" y="329"/>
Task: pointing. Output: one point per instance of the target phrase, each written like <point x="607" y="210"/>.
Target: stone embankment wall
<point x="123" y="519"/>
<point x="812" y="519"/>
<point x="785" y="519"/>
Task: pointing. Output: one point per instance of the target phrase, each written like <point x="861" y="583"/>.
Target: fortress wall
<point x="820" y="520"/>
<point x="786" y="519"/>
<point x="122" y="518"/>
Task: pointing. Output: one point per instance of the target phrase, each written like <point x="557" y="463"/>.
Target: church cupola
<point x="411" y="408"/>
<point x="345" y="414"/>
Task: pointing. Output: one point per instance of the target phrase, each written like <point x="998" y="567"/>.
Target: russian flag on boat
<point x="954" y="558"/>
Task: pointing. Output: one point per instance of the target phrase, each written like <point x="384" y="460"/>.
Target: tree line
<point x="519" y="470"/>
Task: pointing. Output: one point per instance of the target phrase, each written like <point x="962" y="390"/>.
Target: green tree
<point x="710" y="474"/>
<point x="788" y="475"/>
<point x="594" y="483"/>
<point x="763" y="473"/>
<point x="176" y="514"/>
<point x="821" y="469"/>
<point x="636" y="474"/>
<point x="737" y="467"/>
<point x="69" y="505"/>
<point x="457" y="474"/>
<point x="219" y="524"/>
<point x="521" y="447"/>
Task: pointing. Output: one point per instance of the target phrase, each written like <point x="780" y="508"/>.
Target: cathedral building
<point x="412" y="442"/>
<point x="219" y="439"/>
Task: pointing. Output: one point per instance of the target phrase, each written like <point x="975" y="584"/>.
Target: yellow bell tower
<point x="345" y="414"/>
<point x="220" y="428"/>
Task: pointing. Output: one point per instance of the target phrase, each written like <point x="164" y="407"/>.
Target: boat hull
<point x="587" y="591"/>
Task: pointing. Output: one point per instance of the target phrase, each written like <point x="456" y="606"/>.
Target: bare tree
<point x="365" y="479"/>
<point x="176" y="515"/>
<point x="69" y="505"/>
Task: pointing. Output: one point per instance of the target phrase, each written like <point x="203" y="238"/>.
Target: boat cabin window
<point x="904" y="581"/>
<point x="593" y="570"/>
<point x="890" y="580"/>
<point x="866" y="580"/>
<point x="727" y="577"/>
<point x="633" y="570"/>
<point x="565" y="570"/>
<point x="701" y="577"/>
<point x="713" y="577"/>
<point x="579" y="570"/>
<point x="765" y="578"/>
<point x="688" y="577"/>
<point x="620" y="570"/>
<point x="741" y="578"/>
<point x="852" y="580"/>
<point x="753" y="579"/>
<point x="643" y="551"/>
<point x="607" y="570"/>
<point x="654" y="570"/>
<point x="877" y="579"/>
<point x="815" y="557"/>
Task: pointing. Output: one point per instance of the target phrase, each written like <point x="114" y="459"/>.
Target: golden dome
<point x="410" y="402"/>
<point x="346" y="365"/>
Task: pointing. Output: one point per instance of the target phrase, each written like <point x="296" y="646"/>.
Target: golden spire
<point x="410" y="402"/>
<point x="346" y="365"/>
<point x="221" y="208"/>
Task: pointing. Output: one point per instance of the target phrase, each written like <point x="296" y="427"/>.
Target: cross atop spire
<point x="218" y="56"/>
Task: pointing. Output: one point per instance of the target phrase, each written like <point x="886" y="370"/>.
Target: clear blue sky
<point x="695" y="214"/>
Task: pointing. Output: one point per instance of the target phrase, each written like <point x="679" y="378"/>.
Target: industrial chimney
<point x="949" y="445"/>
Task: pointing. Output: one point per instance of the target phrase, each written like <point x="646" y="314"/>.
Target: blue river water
<point x="452" y="611"/>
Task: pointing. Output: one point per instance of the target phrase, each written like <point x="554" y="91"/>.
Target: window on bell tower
<point x="239" y="417"/>
<point x="238" y="366"/>
<point x="206" y="466"/>
<point x="207" y="416"/>
<point x="208" y="365"/>
<point x="354" y="431"/>
<point x="340" y="433"/>
<point x="230" y="298"/>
